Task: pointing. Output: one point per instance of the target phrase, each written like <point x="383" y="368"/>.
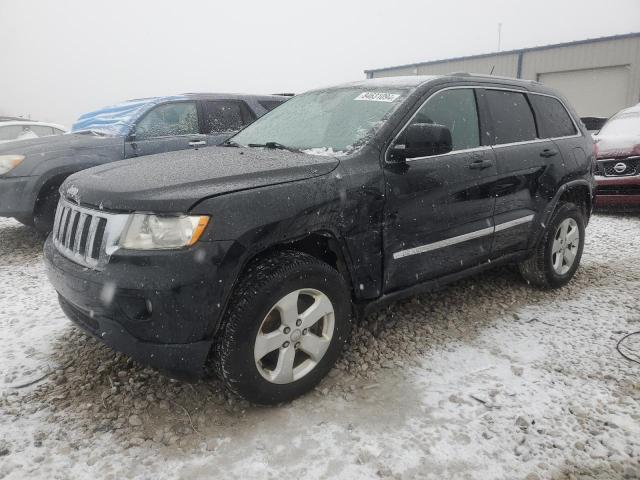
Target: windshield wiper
<point x="274" y="145"/>
<point x="230" y="143"/>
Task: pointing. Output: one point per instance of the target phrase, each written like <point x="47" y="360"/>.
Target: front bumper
<point x="618" y="192"/>
<point x="160" y="308"/>
<point x="16" y="196"/>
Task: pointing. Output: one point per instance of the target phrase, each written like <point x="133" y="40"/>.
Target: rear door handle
<point x="197" y="143"/>
<point x="548" y="153"/>
<point x="480" y="164"/>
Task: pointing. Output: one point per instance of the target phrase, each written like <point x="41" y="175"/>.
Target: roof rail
<point x="486" y="75"/>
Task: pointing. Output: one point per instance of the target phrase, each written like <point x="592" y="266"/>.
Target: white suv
<point x="22" y="129"/>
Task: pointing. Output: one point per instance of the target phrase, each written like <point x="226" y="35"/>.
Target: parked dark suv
<point x="258" y="254"/>
<point x="31" y="171"/>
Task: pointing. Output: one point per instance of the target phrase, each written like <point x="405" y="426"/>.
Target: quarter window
<point x="168" y="120"/>
<point x="222" y="116"/>
<point x="455" y="109"/>
<point x="553" y="119"/>
<point x="512" y="117"/>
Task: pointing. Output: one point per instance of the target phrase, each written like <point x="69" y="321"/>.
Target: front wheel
<point x="45" y="210"/>
<point x="558" y="255"/>
<point x="286" y="325"/>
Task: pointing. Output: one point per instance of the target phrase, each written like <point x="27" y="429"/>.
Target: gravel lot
<point x="488" y="378"/>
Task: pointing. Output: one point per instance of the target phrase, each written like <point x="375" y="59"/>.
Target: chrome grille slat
<point x="86" y="236"/>
<point x="93" y="228"/>
<point x="76" y="243"/>
<point x="63" y="223"/>
<point x="56" y="221"/>
<point x="69" y="228"/>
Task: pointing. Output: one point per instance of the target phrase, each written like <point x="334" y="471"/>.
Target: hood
<point x="617" y="146"/>
<point x="41" y="149"/>
<point x="175" y="181"/>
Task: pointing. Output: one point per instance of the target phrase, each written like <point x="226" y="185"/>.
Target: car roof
<point x="633" y="109"/>
<point x="207" y="96"/>
<point x="413" y="81"/>
<point x="9" y="119"/>
<point x="218" y="96"/>
<point x="31" y="122"/>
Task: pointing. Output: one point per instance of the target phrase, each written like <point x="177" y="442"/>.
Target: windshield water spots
<point x="331" y="122"/>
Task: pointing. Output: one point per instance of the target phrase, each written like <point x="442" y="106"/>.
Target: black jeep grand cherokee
<point x="258" y="254"/>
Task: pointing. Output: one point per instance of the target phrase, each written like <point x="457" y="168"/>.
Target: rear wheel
<point x="286" y="325"/>
<point x="558" y="255"/>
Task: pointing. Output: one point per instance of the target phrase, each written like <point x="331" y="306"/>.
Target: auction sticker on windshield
<point x="377" y="96"/>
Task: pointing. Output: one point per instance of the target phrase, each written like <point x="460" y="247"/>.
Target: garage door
<point x="597" y="92"/>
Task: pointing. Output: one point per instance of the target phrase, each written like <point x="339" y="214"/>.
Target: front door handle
<point x="548" y="153"/>
<point x="197" y="143"/>
<point x="480" y="164"/>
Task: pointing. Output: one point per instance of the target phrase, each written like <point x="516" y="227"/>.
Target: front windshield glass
<point x="624" y="124"/>
<point x="329" y="122"/>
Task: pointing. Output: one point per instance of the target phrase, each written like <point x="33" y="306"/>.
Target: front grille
<point x="79" y="233"/>
<point x="618" y="190"/>
<point x="608" y="167"/>
<point x="86" y="236"/>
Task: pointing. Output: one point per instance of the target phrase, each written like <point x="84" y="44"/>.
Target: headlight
<point x="9" y="162"/>
<point x="155" y="232"/>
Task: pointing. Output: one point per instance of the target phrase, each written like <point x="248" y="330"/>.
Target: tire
<point x="252" y="311"/>
<point x="45" y="210"/>
<point x="549" y="269"/>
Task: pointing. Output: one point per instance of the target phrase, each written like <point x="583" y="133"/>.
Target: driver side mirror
<point x="422" y="140"/>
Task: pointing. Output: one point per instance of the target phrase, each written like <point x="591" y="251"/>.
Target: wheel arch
<point x="579" y="192"/>
<point x="322" y="244"/>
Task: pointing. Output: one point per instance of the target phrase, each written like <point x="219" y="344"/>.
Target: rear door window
<point x="41" y="131"/>
<point x="553" y="119"/>
<point x="512" y="117"/>
<point x="169" y="119"/>
<point x="222" y="116"/>
<point x="455" y="109"/>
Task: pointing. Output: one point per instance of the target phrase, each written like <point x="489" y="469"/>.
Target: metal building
<point x="599" y="76"/>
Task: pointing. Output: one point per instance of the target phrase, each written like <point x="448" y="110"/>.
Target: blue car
<point x="31" y="171"/>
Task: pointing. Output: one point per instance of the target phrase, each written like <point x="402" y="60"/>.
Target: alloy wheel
<point x="565" y="246"/>
<point x="294" y="336"/>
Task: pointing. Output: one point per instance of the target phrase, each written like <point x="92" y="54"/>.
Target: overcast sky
<point x="60" y="59"/>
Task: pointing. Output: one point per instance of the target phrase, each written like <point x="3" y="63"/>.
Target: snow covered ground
<point x="487" y="379"/>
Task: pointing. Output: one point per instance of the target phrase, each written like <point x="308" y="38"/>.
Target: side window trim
<point x="483" y="110"/>
<point x="526" y="93"/>
<point x="131" y="138"/>
<point x="421" y="104"/>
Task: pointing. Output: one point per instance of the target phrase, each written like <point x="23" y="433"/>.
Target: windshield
<point x="327" y="122"/>
<point x="623" y="124"/>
